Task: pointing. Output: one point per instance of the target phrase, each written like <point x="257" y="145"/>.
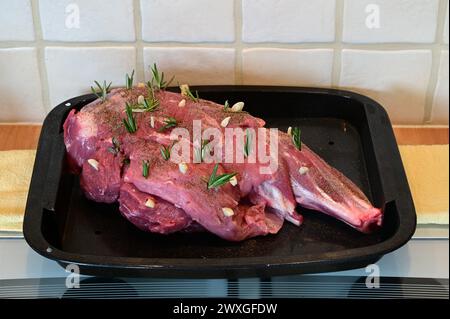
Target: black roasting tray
<point x="351" y="132"/>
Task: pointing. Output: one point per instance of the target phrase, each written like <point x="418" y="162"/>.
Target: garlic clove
<point x="183" y="168"/>
<point x="228" y="212"/>
<point x="150" y="203"/>
<point x="152" y="121"/>
<point x="182" y="103"/>
<point x="93" y="163"/>
<point x="184" y="89"/>
<point x="239" y="106"/>
<point x="141" y="99"/>
<point x="303" y="170"/>
<point x="289" y="131"/>
<point x="225" y="121"/>
<point x="233" y="181"/>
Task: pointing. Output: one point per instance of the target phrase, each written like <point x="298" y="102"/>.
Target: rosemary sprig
<point x="130" y="121"/>
<point x="186" y="91"/>
<point x="129" y="81"/>
<point x="169" y="122"/>
<point x="103" y="90"/>
<point x="165" y="152"/>
<point x="296" y="137"/>
<point x="216" y="181"/>
<point x="147" y="105"/>
<point x="150" y="105"/>
<point x="145" y="168"/>
<point x="115" y="149"/>
<point x="200" y="151"/>
<point x="247" y="145"/>
<point x="226" y="106"/>
<point x="158" y="78"/>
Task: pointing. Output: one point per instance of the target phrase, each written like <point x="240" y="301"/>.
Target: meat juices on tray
<point x="111" y="159"/>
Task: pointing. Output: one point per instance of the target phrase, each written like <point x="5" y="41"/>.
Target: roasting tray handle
<point x="44" y="184"/>
<point x="390" y="179"/>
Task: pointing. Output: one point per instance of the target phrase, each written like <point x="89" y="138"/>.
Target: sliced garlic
<point x="152" y="121"/>
<point x="141" y="85"/>
<point x="183" y="168"/>
<point x="239" y="106"/>
<point x="141" y="99"/>
<point x="303" y="170"/>
<point x="150" y="203"/>
<point x="93" y="163"/>
<point x="228" y="212"/>
<point x="182" y="103"/>
<point x="233" y="181"/>
<point x="289" y="131"/>
<point x="184" y="89"/>
<point x="225" y="121"/>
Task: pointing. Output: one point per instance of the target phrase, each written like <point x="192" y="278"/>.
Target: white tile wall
<point x="71" y="71"/>
<point x="399" y="21"/>
<point x="20" y="86"/>
<point x="323" y="43"/>
<point x="288" y="20"/>
<point x="397" y="79"/>
<point x="195" y="66"/>
<point x="16" y="20"/>
<point x="99" y="20"/>
<point x="440" y="103"/>
<point x="187" y="20"/>
<point x="287" y="67"/>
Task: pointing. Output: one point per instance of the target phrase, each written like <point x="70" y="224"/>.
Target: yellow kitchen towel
<point x="427" y="167"/>
<point x="15" y="175"/>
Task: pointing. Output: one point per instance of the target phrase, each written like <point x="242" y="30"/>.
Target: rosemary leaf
<point x="158" y="78"/>
<point x="130" y="121"/>
<point x="148" y="105"/>
<point x="129" y="81"/>
<point x="102" y="90"/>
<point x="165" y="152"/>
<point x="226" y="106"/>
<point x="296" y="137"/>
<point x="169" y="122"/>
<point x="217" y="181"/>
<point x="186" y="91"/>
<point x="145" y="168"/>
<point x="247" y="145"/>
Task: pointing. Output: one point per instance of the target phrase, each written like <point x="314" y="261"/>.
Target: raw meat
<point x="256" y="206"/>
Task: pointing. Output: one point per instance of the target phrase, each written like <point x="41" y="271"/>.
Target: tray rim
<point x="407" y="223"/>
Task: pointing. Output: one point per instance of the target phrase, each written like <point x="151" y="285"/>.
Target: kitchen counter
<point x="21" y="137"/>
<point x="420" y="258"/>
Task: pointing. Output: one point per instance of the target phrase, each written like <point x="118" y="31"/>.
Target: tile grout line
<point x="436" y="51"/>
<point x="270" y="45"/>
<point x="40" y="52"/>
<point x="238" y="68"/>
<point x="139" y="46"/>
<point x="338" y="47"/>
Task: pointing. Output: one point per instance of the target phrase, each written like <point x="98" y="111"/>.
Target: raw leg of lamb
<point x="170" y="197"/>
